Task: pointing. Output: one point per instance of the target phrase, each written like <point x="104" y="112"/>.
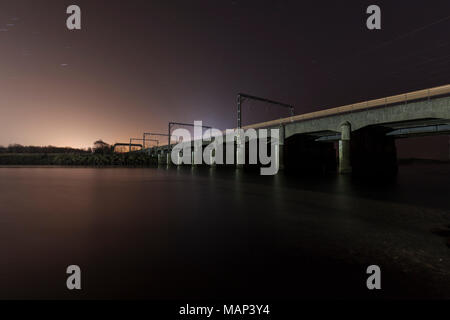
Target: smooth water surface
<point x="205" y="233"/>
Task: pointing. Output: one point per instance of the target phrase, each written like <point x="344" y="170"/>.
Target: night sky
<point x="135" y="65"/>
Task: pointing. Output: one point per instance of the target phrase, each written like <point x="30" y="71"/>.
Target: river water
<point x="204" y="233"/>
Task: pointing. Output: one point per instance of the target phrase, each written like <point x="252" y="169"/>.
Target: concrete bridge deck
<point x="423" y="107"/>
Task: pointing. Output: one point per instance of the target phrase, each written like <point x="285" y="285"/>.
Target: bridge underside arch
<point x="303" y="154"/>
<point x="373" y="152"/>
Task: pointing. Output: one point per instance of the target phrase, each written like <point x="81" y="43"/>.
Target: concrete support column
<point x="158" y="155"/>
<point x="239" y="141"/>
<point x="179" y="158"/>
<point x="212" y="159"/>
<point x="281" y="148"/>
<point x="167" y="159"/>
<point x="344" y="149"/>
<point x="163" y="156"/>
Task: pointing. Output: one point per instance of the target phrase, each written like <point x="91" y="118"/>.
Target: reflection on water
<point x="179" y="233"/>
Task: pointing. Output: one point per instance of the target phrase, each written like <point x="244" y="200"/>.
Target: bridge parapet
<point x="414" y="103"/>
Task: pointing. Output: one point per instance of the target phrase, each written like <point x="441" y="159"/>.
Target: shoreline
<point x="121" y="160"/>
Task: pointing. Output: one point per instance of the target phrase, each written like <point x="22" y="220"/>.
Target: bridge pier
<point x="281" y="148"/>
<point x="177" y="161"/>
<point x="212" y="158"/>
<point x="344" y="149"/>
<point x="192" y="158"/>
<point x="159" y="156"/>
<point x="163" y="157"/>
<point x="238" y="155"/>
<point x="168" y="158"/>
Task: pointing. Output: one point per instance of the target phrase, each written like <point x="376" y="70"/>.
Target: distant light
<point x="10" y="24"/>
<point x="64" y="64"/>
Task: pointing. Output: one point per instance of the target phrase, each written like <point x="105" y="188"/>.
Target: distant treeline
<point x="136" y="159"/>
<point x="17" y="148"/>
<point x="100" y="155"/>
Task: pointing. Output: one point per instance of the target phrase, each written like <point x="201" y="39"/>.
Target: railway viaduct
<point x="365" y="132"/>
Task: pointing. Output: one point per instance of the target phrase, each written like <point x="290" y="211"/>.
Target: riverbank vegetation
<point x="136" y="159"/>
<point x="100" y="155"/>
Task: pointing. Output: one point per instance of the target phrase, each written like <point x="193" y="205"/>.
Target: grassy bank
<point x="76" y="159"/>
